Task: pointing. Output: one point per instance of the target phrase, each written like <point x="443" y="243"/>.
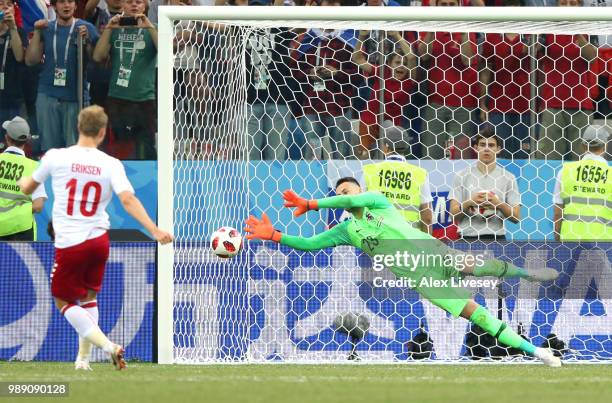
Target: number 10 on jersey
<point x="87" y="190"/>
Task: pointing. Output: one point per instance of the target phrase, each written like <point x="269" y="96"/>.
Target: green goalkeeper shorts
<point x="437" y="286"/>
<point x="434" y="279"/>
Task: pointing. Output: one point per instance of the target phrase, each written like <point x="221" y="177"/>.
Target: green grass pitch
<point x="319" y="383"/>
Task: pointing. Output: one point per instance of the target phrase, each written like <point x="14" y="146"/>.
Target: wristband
<point x="276" y="236"/>
<point x="312" y="205"/>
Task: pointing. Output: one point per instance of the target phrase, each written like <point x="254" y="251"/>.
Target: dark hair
<point x="486" y="132"/>
<point x="16" y="143"/>
<point x="54" y="2"/>
<point x="591" y="147"/>
<point x="347" y="179"/>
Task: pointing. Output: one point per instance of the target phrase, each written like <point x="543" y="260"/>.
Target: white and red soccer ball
<point x="226" y="242"/>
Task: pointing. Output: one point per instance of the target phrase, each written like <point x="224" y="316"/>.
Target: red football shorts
<point x="79" y="268"/>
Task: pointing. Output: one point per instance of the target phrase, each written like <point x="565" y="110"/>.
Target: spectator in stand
<point x="325" y="71"/>
<point x="12" y="41"/>
<point x="397" y="73"/>
<point x="99" y="73"/>
<point x="270" y="88"/>
<point x="567" y="105"/>
<point x="198" y="123"/>
<point x="376" y="3"/>
<point x="603" y="67"/>
<point x="505" y="90"/>
<point x="462" y="3"/>
<point x="194" y="130"/>
<point x="376" y="47"/>
<point x="453" y="90"/>
<point x="85" y="8"/>
<point x="30" y="12"/>
<point x="54" y="44"/>
<point x="540" y="3"/>
<point x="131" y="96"/>
<point x="485" y="195"/>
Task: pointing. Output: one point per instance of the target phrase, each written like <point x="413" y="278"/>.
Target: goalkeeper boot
<point x="547" y="357"/>
<point x="117" y="357"/>
<point x="82" y="365"/>
<point x="541" y="275"/>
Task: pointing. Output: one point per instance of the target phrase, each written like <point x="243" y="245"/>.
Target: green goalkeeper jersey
<point x="381" y="230"/>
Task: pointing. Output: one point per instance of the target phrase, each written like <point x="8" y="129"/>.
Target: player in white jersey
<point x="83" y="181"/>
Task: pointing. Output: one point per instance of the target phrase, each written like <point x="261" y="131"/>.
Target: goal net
<point x="257" y="100"/>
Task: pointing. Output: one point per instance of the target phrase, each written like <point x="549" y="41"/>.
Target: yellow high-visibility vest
<point x="401" y="183"/>
<point x="15" y="207"/>
<point x="586" y="191"/>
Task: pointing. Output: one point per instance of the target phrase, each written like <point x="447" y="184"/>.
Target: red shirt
<point x="566" y="74"/>
<point x="451" y="83"/>
<point x="508" y="59"/>
<point x="334" y="98"/>
<point x="397" y="95"/>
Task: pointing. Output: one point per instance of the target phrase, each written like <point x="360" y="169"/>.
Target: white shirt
<point x="83" y="180"/>
<point x="40" y="189"/>
<point x="557" y="191"/>
<point x="472" y="180"/>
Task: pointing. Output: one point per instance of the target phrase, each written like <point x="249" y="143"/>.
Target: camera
<point x="128" y="21"/>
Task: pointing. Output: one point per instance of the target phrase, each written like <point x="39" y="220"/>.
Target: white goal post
<point x="523" y="20"/>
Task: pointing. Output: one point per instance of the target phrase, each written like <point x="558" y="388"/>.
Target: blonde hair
<point x="91" y="120"/>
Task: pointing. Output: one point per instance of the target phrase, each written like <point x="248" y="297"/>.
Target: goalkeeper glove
<point x="302" y="205"/>
<point x="261" y="229"/>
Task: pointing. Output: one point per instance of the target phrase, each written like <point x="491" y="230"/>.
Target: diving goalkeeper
<point x="377" y="228"/>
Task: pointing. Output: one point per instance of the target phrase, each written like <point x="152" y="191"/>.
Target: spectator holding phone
<point x="54" y="44"/>
<point x="130" y="40"/>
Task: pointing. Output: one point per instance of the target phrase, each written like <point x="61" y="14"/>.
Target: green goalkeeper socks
<point x="500" y="330"/>
<point x="499" y="268"/>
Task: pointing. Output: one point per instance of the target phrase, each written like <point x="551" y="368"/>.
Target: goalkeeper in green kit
<point x="379" y="229"/>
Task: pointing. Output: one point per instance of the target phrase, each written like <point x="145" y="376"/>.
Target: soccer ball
<point x="226" y="242"/>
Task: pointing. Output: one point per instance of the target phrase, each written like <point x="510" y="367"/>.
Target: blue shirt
<point x="45" y="82"/>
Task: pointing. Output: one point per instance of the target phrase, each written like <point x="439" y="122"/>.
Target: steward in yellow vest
<point x="16" y="209"/>
<point x="583" y="193"/>
<point x="404" y="184"/>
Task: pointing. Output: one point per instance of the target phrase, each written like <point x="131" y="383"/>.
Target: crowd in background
<point x="311" y="94"/>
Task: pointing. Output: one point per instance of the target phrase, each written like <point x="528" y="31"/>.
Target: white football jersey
<point x="83" y="180"/>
